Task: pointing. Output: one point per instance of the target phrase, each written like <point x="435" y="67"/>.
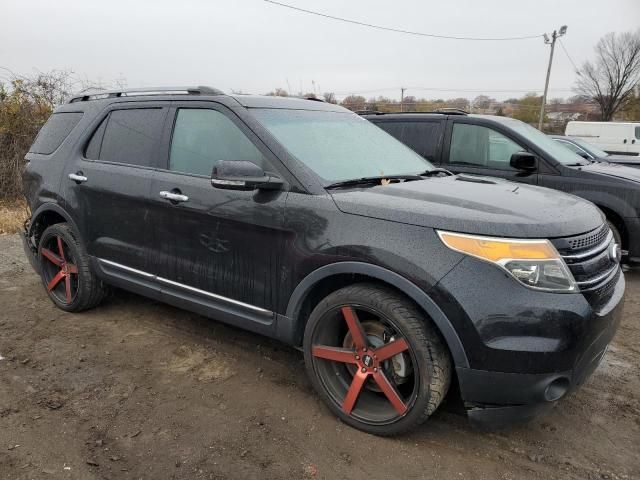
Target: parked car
<point x="617" y="138"/>
<point x="301" y="221"/>
<point x="508" y="148"/>
<point x="591" y="152"/>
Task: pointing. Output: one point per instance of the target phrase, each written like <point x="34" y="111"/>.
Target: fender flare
<point x="407" y="287"/>
<point x="50" y="207"/>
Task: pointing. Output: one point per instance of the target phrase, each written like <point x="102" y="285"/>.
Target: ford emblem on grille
<point x="615" y="254"/>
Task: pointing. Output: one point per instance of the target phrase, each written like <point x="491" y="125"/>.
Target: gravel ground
<point x="139" y="390"/>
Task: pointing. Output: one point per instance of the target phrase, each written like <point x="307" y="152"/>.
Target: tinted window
<point x="481" y="146"/>
<point x="53" y="133"/>
<point x="131" y="136"/>
<point x="422" y="137"/>
<point x="93" y="148"/>
<point x="340" y="146"/>
<point x="638" y="133"/>
<point x="202" y="137"/>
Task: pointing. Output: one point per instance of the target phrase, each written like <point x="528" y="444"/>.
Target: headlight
<point x="534" y="263"/>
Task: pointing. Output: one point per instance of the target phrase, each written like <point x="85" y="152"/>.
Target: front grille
<point x="589" y="259"/>
<point x="589" y="239"/>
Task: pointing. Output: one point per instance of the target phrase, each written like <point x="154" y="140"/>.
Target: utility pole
<point x="402" y="89"/>
<point x="554" y="36"/>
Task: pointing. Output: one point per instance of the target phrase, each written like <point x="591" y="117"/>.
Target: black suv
<point x="302" y="221"/>
<point x="511" y="149"/>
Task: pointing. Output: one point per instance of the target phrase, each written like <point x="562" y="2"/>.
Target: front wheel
<point x="375" y="360"/>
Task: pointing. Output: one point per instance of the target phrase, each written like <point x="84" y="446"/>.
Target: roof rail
<point x="442" y="111"/>
<point x="140" y="92"/>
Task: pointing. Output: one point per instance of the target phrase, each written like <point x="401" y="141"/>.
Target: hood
<point x="630" y="160"/>
<point x="613" y="170"/>
<point x="476" y="205"/>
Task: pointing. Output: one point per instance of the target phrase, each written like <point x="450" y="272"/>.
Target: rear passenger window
<point x="202" y="137"/>
<point x="128" y="136"/>
<point x="421" y="137"/>
<point x="93" y="148"/>
<point x="53" y="133"/>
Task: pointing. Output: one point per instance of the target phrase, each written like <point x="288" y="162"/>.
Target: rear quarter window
<point x="53" y="133"/>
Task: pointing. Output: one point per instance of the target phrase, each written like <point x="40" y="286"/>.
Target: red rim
<point x="60" y="273"/>
<point x="369" y="362"/>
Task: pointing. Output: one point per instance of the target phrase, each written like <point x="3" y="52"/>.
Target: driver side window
<point x="201" y="137"/>
<point x="483" y="147"/>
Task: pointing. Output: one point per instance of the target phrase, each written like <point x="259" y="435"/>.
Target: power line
<point x="465" y="90"/>
<point x="568" y="56"/>
<point x="398" y="30"/>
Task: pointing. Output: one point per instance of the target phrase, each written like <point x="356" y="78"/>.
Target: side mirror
<point x="242" y="175"/>
<point x="524" y="161"/>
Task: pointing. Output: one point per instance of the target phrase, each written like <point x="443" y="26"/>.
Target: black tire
<point x="616" y="233"/>
<point x="65" y="270"/>
<point x="420" y="393"/>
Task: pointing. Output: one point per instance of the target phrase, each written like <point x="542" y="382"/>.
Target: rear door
<point x="482" y="150"/>
<point x="217" y="246"/>
<point x="108" y="185"/>
<point x="422" y="136"/>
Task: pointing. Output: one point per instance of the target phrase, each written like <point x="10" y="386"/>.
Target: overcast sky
<point x="253" y="46"/>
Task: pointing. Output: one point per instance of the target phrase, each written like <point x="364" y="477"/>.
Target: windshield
<point x="559" y="152"/>
<point x="340" y="146"/>
<point x="595" y="151"/>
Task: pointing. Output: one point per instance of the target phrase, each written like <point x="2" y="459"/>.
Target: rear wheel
<point x="375" y="360"/>
<point x="65" y="270"/>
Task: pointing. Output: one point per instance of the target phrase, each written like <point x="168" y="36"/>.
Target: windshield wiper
<point x="436" y="171"/>
<point x="371" y="180"/>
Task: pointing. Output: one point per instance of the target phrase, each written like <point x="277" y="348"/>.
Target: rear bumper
<point x="30" y="251"/>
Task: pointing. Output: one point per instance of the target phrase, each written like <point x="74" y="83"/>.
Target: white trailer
<point x="612" y="137"/>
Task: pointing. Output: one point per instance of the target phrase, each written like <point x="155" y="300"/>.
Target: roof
<point x="267" y="101"/>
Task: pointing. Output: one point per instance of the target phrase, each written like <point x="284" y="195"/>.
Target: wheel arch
<point x="619" y="223"/>
<point x="46" y="215"/>
<point x="328" y="278"/>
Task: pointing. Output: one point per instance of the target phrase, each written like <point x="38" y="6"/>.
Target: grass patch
<point x="12" y="216"/>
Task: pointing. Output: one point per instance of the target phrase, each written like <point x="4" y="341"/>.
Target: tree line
<point x="611" y="80"/>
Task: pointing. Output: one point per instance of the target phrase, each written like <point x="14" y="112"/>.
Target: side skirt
<point x="216" y="307"/>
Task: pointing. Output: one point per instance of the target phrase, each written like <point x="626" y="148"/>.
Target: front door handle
<point x="174" y="197"/>
<point x="77" y="177"/>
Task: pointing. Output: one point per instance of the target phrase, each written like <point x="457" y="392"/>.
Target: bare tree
<point x="610" y="81"/>
<point x="278" y="92"/>
<point x="330" y="97"/>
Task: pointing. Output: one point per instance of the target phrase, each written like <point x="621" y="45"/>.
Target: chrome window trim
<point x="187" y="287"/>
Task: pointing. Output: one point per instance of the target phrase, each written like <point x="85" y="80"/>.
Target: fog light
<point x="556" y="389"/>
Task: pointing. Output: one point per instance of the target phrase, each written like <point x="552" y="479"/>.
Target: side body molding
<point x="408" y="288"/>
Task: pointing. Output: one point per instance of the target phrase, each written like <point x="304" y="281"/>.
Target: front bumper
<point x="526" y="349"/>
<point x="496" y="400"/>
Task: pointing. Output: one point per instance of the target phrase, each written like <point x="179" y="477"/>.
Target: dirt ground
<point x="139" y="390"/>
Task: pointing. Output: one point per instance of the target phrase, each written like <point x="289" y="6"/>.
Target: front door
<point x="481" y="150"/>
<point x="221" y="246"/>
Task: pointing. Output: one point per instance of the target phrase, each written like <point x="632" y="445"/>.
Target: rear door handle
<point x="77" y="177"/>
<point x="173" y="197"/>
